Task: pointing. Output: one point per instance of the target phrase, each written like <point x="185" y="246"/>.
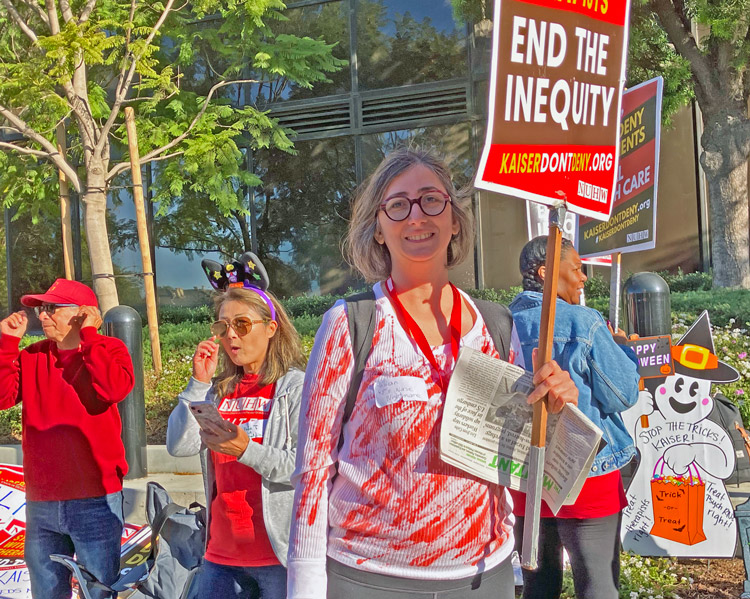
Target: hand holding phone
<point x="219" y="434"/>
<point x="207" y="412"/>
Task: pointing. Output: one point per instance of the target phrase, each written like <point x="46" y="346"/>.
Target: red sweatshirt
<point x="71" y="426"/>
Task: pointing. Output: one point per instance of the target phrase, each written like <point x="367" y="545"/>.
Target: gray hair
<point x="372" y="259"/>
<point x="533" y="256"/>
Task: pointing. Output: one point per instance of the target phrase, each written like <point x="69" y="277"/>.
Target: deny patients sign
<point x="632" y="226"/>
<point x="557" y="76"/>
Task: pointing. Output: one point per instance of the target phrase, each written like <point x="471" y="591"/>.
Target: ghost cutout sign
<point x="677" y="502"/>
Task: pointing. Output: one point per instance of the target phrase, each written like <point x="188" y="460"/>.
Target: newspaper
<point x="486" y="430"/>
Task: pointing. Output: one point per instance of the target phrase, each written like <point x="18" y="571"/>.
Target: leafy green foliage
<point x="192" y="116"/>
<point x="314" y="305"/>
<point x="693" y="281"/>
<point x="500" y="296"/>
<point x="596" y="287"/>
<point x="650" y="55"/>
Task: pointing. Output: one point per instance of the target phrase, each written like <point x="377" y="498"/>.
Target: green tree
<point x="78" y="63"/>
<point x="700" y="47"/>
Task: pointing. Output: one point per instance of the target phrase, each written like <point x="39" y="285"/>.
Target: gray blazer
<point x="273" y="459"/>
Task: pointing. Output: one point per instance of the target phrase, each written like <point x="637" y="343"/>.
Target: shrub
<point x="181" y="314"/>
<point x="693" y="281"/>
<point x="596" y="287"/>
<point x="499" y="296"/>
<point x="307" y="325"/>
<point x="723" y="305"/>
<point x="308" y="305"/>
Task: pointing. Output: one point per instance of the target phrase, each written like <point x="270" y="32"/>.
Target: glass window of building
<point x="402" y="43"/>
<point x="302" y="211"/>
<point x="328" y="21"/>
<point x="452" y="142"/>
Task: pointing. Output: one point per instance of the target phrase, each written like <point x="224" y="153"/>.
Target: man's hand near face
<point x="14" y="325"/>
<point x="88" y="316"/>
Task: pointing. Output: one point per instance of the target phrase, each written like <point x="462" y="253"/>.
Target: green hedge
<point x="726" y="307"/>
<point x="182" y="328"/>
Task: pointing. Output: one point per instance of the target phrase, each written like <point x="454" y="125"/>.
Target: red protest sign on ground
<point x="557" y="74"/>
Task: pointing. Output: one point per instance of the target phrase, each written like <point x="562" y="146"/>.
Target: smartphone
<point x="206" y="411"/>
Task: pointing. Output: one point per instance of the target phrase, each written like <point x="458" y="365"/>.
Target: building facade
<point x="414" y="75"/>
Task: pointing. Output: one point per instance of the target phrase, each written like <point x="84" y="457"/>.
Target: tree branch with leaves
<point x="79" y="62"/>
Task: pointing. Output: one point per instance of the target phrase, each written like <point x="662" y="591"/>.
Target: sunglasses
<point x="51" y="308"/>
<point x="242" y="325"/>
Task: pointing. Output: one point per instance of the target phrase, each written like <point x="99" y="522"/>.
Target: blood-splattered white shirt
<point x="395" y="507"/>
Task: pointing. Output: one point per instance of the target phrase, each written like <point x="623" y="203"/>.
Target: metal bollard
<point x="647" y="307"/>
<point x="125" y="323"/>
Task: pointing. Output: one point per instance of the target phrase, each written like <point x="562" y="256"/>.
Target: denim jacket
<point x="605" y="373"/>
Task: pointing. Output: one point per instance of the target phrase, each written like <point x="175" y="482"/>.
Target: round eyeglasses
<point x="432" y="203"/>
<point x="51" y="308"/>
<point x="242" y="325"/>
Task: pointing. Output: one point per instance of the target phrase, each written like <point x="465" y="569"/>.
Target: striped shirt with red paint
<point x="395" y="507"/>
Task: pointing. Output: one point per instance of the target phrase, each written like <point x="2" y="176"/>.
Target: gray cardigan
<point x="273" y="459"/>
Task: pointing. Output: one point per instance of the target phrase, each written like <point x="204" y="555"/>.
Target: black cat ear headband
<point x="247" y="272"/>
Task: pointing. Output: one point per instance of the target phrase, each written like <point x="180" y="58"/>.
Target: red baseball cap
<point x="63" y="291"/>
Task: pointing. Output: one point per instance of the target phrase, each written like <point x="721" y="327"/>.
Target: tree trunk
<point x="247" y="244"/>
<point x="730" y="249"/>
<point x="95" y="218"/>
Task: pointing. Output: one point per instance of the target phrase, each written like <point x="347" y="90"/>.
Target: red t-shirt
<point x="600" y="496"/>
<point x="237" y="534"/>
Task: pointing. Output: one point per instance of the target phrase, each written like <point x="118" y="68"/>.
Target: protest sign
<point x="14" y="576"/>
<point x="12" y="511"/>
<point x="654" y="356"/>
<point x="632" y="226"/>
<point x="555" y="93"/>
<point x="537" y="219"/>
<point x="678" y="503"/>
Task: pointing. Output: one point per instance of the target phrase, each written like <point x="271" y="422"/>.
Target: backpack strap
<point x="360" y="310"/>
<point x="499" y="323"/>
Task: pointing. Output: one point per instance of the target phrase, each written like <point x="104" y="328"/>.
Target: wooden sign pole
<point x="140" y="218"/>
<point x="67" y="234"/>
<point x="614" y="291"/>
<point x="539" y="423"/>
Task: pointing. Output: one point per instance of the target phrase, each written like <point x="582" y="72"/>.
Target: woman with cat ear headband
<point x="240" y="410"/>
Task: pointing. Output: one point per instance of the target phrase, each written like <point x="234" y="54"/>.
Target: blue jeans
<point x="228" y="582"/>
<point x="91" y="528"/>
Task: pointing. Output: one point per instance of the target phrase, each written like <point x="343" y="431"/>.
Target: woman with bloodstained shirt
<point x="383" y="516"/>
<point x="248" y="454"/>
<point x="605" y="372"/>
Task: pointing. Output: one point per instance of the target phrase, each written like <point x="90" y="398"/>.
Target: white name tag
<point x="392" y="389"/>
<point x="254" y="428"/>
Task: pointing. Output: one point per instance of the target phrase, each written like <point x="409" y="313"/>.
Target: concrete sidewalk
<point x="181" y="478"/>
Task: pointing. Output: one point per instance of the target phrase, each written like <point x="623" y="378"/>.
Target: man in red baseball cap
<point x="73" y="456"/>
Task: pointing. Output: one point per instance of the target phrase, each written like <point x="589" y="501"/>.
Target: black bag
<point x="725" y="414"/>
<point x="163" y="568"/>
<point x="178" y="544"/>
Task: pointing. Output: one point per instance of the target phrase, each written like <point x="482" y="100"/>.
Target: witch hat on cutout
<point x="694" y="355"/>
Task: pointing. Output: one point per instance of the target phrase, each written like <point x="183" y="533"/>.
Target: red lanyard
<point x="416" y="333"/>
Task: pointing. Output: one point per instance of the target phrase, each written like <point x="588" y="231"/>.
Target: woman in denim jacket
<point x="606" y="374"/>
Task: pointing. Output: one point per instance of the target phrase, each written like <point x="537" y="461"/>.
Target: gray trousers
<point x="593" y="545"/>
<point x="349" y="583"/>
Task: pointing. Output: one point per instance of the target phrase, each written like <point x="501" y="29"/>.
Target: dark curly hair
<point x="534" y="255"/>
